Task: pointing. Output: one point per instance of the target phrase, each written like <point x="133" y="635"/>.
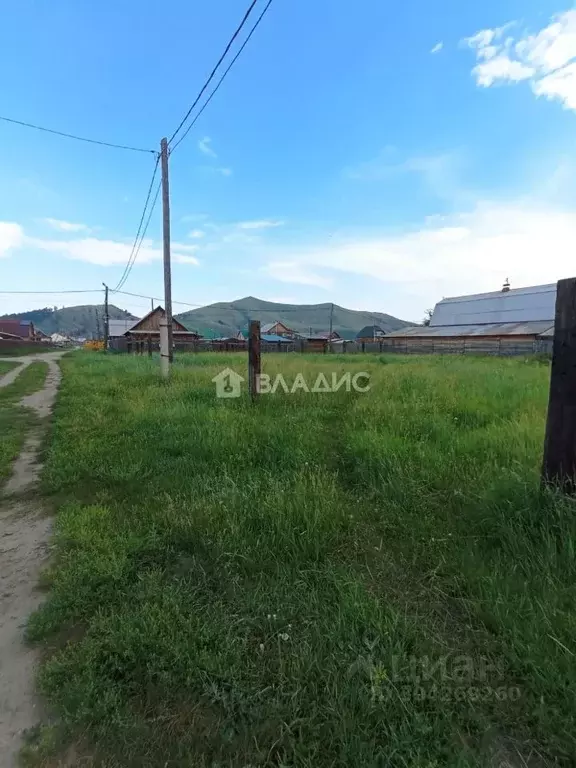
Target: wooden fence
<point x="407" y="346"/>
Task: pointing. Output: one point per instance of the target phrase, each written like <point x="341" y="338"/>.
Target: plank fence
<point x="397" y="345"/>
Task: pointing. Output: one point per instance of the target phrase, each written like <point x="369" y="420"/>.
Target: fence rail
<point x="508" y="347"/>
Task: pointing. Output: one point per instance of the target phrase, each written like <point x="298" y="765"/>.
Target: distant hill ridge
<point x="221" y="319"/>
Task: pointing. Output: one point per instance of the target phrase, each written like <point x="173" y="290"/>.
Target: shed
<point x="370" y="333"/>
<point x="519" y="320"/>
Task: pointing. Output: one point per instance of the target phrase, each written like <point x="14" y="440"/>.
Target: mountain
<point x="86" y="320"/>
<point x="227" y="318"/>
<point x="222" y="319"/>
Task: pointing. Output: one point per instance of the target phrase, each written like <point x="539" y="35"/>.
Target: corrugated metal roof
<point x="119" y="327"/>
<point x="273" y="338"/>
<point x="536" y="303"/>
<point x="537" y="328"/>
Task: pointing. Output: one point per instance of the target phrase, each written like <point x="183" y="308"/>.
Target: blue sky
<point x="379" y="156"/>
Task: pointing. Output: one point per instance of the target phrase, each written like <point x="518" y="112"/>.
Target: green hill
<point x="222" y="319"/>
<point x="86" y="320"/>
<point x="226" y="318"/>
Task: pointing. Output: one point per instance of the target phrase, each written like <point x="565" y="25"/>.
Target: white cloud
<point x="466" y="253"/>
<point x="205" y="148"/>
<point x="104" y="252"/>
<point x="180" y="258"/>
<point x="547" y="59"/>
<point x="11" y="237"/>
<point x="260" y="224"/>
<point x="66" y="226"/>
<point x="296" y="272"/>
<point x="196" y="234"/>
<point x="437" y="48"/>
<point x="225" y="171"/>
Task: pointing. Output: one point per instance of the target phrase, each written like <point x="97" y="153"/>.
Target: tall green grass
<point x="239" y="584"/>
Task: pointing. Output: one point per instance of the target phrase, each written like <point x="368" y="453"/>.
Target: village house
<point x="21" y="329"/>
<point x="149" y="328"/>
<point x="278" y="329"/>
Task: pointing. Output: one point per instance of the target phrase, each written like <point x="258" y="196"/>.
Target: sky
<point x="375" y="155"/>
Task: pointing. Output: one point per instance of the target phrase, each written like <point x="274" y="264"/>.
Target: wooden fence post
<point x="254" y="362"/>
<point x="149" y="345"/>
<point x="559" y="461"/>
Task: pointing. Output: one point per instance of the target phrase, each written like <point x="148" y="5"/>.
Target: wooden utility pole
<point x="166" y="240"/>
<point x="331" y="326"/>
<point x="559" y="462"/>
<point x="164" y="352"/>
<point x="254" y="362"/>
<point x="106" y="317"/>
<point x="152" y="304"/>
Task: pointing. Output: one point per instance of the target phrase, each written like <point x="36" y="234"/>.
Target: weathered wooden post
<point x="559" y="462"/>
<point x="149" y="345"/>
<point x="164" y="348"/>
<point x="254" y="362"/>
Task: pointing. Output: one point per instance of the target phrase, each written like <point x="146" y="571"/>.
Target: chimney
<point x="506" y="286"/>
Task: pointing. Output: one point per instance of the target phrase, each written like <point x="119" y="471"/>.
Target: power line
<point x="220" y="60"/>
<point x="72" y="136"/>
<point x="135" y="246"/>
<point x="236" y="57"/>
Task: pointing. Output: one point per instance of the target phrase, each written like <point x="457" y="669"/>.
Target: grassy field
<point x="317" y="580"/>
<point x="14" y="419"/>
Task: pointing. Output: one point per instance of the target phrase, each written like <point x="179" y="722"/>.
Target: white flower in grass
<point x="284" y="636"/>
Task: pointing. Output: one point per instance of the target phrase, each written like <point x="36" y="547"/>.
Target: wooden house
<point x="278" y="329"/>
<point x="149" y="328"/>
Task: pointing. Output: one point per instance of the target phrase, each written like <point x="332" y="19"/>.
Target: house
<point x="370" y="333"/>
<point x="274" y="338"/>
<point x="279" y="329"/>
<point x="319" y="341"/>
<point x="517" y="321"/>
<point x="24" y="329"/>
<point x="149" y="328"/>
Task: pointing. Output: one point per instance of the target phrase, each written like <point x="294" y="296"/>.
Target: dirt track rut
<point x="24" y="536"/>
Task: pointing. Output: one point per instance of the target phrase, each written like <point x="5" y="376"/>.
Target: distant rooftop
<point x="518" y="305"/>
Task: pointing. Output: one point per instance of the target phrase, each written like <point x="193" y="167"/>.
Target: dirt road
<point x="24" y="536"/>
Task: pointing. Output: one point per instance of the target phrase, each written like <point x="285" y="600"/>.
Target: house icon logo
<point x="228" y="383"/>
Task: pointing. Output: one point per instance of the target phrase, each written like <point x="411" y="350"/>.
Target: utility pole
<point x="97" y="323"/>
<point x="106" y="318"/>
<point x="331" y="326"/>
<point x="152" y="304"/>
<point x="166" y="240"/>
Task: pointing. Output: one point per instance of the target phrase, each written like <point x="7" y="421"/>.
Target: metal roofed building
<point x="516" y="321"/>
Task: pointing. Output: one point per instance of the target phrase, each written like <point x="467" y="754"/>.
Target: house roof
<point x="119" y="327"/>
<point x="370" y="330"/>
<point x="268" y="326"/>
<point x="537" y="328"/>
<point x="271" y="338"/>
<point x="536" y="303"/>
